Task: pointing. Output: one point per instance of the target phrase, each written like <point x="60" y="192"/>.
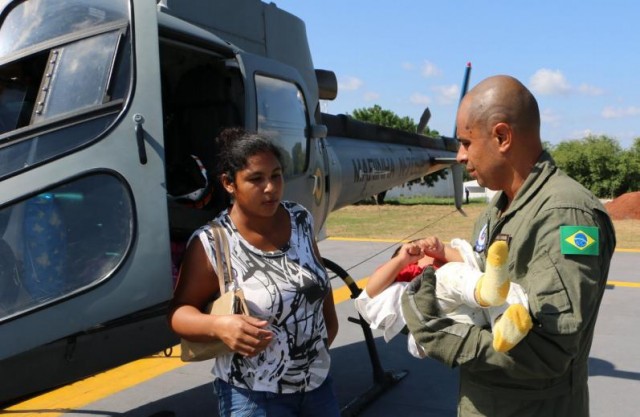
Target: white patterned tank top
<point x="287" y="288"/>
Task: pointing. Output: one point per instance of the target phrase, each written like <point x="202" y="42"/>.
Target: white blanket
<point x="455" y="287"/>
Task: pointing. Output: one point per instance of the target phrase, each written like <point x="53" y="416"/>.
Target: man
<point x="561" y="243"/>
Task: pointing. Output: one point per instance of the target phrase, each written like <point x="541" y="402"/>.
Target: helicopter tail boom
<point x="367" y="159"/>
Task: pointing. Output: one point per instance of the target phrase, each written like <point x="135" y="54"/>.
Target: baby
<point x="465" y="294"/>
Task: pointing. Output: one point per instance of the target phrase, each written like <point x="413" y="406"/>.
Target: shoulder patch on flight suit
<point x="579" y="240"/>
<point x="481" y="241"/>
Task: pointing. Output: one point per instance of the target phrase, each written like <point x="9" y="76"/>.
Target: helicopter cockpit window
<point x="85" y="65"/>
<point x="62" y="241"/>
<point x="29" y="23"/>
<point x="65" y="75"/>
<point x="282" y="116"/>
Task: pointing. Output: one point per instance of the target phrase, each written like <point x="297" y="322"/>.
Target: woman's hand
<point x="245" y="335"/>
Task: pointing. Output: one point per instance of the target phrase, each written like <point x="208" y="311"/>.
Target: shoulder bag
<point x="229" y="302"/>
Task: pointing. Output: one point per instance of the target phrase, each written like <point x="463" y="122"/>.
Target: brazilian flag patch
<point x="579" y="240"/>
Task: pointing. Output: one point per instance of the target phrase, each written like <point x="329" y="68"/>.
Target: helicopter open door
<point x="83" y="223"/>
<point x="279" y="96"/>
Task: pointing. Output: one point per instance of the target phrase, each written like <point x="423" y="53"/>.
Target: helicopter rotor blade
<point x="424" y="120"/>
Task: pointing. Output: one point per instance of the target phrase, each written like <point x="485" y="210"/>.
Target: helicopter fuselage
<point x="108" y="111"/>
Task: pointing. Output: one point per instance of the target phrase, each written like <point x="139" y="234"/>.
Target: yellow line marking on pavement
<point x="362" y="239"/>
<point x="624" y="284"/>
<point x="79" y="394"/>
<point x="344" y="293"/>
<point x="341" y="294"/>
<point x="628" y="250"/>
<point x="71" y="397"/>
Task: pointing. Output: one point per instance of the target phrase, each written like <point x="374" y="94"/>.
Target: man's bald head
<point x="498" y="126"/>
<point x="503" y="99"/>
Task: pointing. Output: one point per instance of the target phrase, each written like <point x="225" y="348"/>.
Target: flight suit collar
<point x="490" y="223"/>
<point x="541" y="171"/>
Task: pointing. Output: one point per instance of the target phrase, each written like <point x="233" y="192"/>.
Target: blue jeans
<point x="239" y="402"/>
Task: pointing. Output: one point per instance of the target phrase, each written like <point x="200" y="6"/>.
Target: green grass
<point x="411" y="218"/>
<point x="410" y="201"/>
<point x="403" y="221"/>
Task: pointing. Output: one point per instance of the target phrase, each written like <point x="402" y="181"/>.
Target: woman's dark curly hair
<point x="237" y="145"/>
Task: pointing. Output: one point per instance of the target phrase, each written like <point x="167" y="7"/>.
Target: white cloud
<point x="553" y="82"/>
<point x="590" y="90"/>
<point x="447" y="94"/>
<point x="421" y="99"/>
<point x="610" y="112"/>
<point x="408" y="66"/>
<point x="430" y="70"/>
<point x="549" y="82"/>
<point x="371" y="96"/>
<point x="349" y="83"/>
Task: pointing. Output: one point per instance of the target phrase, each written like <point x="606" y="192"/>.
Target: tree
<point x="630" y="167"/>
<point x="596" y="162"/>
<point x="377" y="115"/>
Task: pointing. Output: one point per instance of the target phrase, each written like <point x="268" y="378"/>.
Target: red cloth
<point x="411" y="271"/>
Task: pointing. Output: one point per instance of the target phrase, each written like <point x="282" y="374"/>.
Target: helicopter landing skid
<point x="382" y="380"/>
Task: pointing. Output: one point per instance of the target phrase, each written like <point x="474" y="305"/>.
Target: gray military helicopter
<point x="108" y="110"/>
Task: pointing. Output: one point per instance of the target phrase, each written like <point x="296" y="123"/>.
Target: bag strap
<point x="223" y="266"/>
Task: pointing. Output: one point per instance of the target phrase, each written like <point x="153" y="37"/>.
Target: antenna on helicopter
<point x="456" y="169"/>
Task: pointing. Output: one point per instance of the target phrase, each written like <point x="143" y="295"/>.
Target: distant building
<point x="476" y="191"/>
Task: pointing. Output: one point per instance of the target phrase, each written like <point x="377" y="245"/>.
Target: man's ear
<point x="504" y="134"/>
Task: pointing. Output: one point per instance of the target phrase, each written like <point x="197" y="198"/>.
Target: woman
<point x="280" y="360"/>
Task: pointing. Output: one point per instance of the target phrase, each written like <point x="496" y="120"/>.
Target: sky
<point x="579" y="58"/>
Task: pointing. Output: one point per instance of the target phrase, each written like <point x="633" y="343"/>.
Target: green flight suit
<point x="546" y="373"/>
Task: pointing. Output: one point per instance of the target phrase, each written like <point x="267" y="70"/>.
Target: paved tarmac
<point x="427" y="389"/>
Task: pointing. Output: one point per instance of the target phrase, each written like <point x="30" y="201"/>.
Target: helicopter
<point x="108" y="110"/>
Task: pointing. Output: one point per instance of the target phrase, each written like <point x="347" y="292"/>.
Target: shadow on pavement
<point x="429" y="388"/>
<point x="600" y="367"/>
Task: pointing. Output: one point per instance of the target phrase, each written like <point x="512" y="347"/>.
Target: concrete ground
<point x="427" y="388"/>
